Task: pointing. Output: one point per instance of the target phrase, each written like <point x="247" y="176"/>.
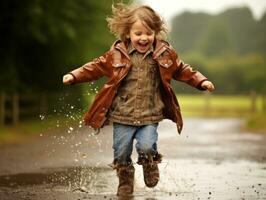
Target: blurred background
<point x="44" y="39"/>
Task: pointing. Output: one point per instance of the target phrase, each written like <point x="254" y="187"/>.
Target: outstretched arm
<point x="185" y="73"/>
<point x="89" y="72"/>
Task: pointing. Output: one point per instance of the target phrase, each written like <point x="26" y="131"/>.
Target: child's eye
<point x="138" y="33"/>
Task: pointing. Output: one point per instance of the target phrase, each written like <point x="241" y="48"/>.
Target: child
<point x="138" y="93"/>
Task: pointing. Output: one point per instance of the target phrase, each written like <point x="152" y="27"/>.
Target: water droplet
<point x="41" y="117"/>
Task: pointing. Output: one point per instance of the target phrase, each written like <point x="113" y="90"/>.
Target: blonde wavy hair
<point x="124" y="16"/>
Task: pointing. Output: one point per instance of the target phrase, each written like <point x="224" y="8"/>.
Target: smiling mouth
<point x="143" y="45"/>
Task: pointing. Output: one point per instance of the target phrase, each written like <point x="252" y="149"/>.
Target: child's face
<point x="141" y="36"/>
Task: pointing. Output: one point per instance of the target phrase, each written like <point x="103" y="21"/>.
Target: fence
<point x="15" y="107"/>
<point x="222" y="105"/>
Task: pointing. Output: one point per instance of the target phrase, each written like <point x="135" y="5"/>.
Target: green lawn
<point x="256" y="123"/>
<point x="202" y="105"/>
<point x="218" y="105"/>
<point x="35" y="126"/>
<point x="18" y="132"/>
<point x="206" y="105"/>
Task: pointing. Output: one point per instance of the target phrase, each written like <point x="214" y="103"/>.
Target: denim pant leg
<point x="147" y="137"/>
<point x="123" y="136"/>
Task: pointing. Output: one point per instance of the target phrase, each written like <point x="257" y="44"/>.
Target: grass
<point x="206" y="105"/>
<point x="202" y="105"/>
<point x="27" y="128"/>
<point x="256" y="123"/>
<point x="18" y="132"/>
<point x="217" y="105"/>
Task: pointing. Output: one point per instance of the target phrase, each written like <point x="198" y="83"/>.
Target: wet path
<point x="211" y="159"/>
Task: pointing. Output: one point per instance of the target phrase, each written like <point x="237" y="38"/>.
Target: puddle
<point x="79" y="183"/>
<point x="180" y="179"/>
<point x="209" y="163"/>
<point x="67" y="177"/>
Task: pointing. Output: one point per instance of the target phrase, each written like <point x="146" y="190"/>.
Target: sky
<point x="169" y="8"/>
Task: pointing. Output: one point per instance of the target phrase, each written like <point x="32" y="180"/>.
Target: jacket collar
<point x="119" y="45"/>
<point x="131" y="50"/>
<point x="160" y="47"/>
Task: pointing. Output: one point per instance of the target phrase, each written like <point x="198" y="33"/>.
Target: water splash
<point x="42" y="117"/>
<point x="69" y="130"/>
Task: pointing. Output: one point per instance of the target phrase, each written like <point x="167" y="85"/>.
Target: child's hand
<point x="207" y="85"/>
<point x="68" y="79"/>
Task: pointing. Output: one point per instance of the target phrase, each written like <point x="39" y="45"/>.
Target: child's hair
<point x="124" y="16"/>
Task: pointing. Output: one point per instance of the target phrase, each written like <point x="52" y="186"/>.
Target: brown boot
<point x="150" y="169"/>
<point x="126" y="180"/>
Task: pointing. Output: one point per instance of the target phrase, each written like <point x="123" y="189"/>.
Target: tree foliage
<point x="229" y="48"/>
<point x="236" y="27"/>
<point x="43" y="39"/>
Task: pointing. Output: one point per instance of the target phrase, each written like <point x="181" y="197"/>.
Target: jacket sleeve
<point x="185" y="73"/>
<point x="92" y="70"/>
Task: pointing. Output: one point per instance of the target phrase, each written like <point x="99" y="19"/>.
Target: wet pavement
<point x="211" y="159"/>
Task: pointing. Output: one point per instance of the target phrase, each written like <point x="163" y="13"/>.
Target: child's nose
<point x="144" y="38"/>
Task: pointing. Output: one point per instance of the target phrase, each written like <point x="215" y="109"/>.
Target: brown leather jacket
<point x="115" y="64"/>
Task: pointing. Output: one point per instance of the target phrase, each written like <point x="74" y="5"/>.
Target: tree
<point x="216" y="40"/>
<point x="43" y="39"/>
<point x="187" y="28"/>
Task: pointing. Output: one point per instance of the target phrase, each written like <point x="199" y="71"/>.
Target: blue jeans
<point x="123" y="136"/>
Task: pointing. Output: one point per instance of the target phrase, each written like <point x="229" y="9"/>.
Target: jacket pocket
<point x="166" y="63"/>
<point x="118" y="64"/>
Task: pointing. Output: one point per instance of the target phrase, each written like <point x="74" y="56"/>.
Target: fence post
<point x="207" y="104"/>
<point x="43" y="103"/>
<point x="15" y="113"/>
<point x="253" y="101"/>
<point x="263" y="103"/>
<point x="2" y="108"/>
